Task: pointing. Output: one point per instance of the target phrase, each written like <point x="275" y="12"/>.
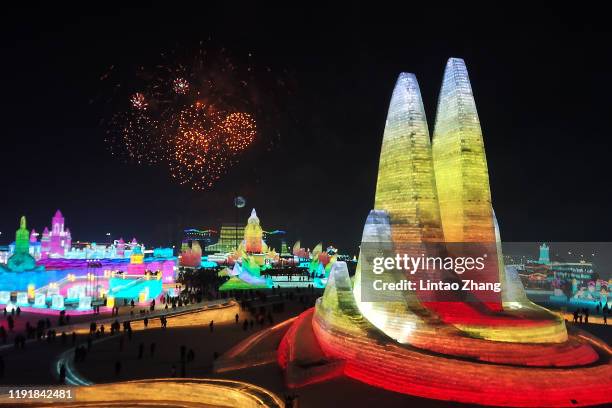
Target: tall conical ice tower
<point x="462" y="178"/>
<point x="460" y="162"/>
<point x="406" y="185"/>
<point x="406" y="216"/>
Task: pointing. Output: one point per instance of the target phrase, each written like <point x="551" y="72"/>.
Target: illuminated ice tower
<point x="406" y="186"/>
<point x="406" y="217"/>
<point x="59" y="239"/>
<point x="253" y="235"/>
<point x="136" y="265"/>
<point x="544" y="254"/>
<point x="120" y="248"/>
<point x="34" y="244"/>
<point x="250" y="258"/>
<point x="462" y="176"/>
<point x="21" y="260"/>
<point x="22" y="238"/>
<point x="44" y="243"/>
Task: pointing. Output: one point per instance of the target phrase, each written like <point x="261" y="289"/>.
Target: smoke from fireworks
<point x="196" y="115"/>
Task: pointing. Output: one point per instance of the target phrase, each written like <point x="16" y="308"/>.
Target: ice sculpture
<point x="84" y="303"/>
<point x="460" y="162"/>
<point x="40" y="300"/>
<point x="253" y="235"/>
<point x="57" y="302"/>
<point x="406" y="186"/>
<point x="506" y="352"/>
<point x="21" y="260"/>
<point x="22" y="299"/>
<point x="251" y="258"/>
<point x="76" y="292"/>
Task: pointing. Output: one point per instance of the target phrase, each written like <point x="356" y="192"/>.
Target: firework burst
<point x="139" y="101"/>
<point x="197" y="115"/>
<point x="199" y="158"/>
<point x="240" y="131"/>
<point x="180" y="86"/>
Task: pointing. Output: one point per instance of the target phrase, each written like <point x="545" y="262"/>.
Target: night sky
<point x="540" y="78"/>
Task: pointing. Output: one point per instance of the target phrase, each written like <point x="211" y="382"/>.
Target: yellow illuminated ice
<point x="462" y="176"/>
<point x="406" y="185"/>
<point x="253" y="235"/>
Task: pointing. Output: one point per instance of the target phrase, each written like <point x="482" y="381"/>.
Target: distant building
<point x="231" y="235"/>
<point x="544" y="258"/>
<point x="229" y="239"/>
<point x="556" y="275"/>
<point x="581" y="271"/>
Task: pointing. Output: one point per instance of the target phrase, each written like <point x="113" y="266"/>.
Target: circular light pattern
<point x="139" y="101"/>
<point x="240" y="129"/>
<point x="180" y="86"/>
<point x="206" y="143"/>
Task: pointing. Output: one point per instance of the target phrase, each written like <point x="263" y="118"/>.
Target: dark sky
<point x="540" y="77"/>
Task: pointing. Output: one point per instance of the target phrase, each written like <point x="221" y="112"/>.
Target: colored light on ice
<point x="22" y="299"/>
<point x="57" y="302"/>
<point x="40" y="300"/>
<point x="144" y="295"/>
<point x="507" y="352"/>
<point x="76" y="292"/>
<point x="84" y="303"/>
<point x="462" y="174"/>
<point x="253" y="234"/>
<point x="406" y="184"/>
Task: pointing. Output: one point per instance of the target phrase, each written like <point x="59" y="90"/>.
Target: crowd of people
<point x="258" y="309"/>
<point x="257" y="306"/>
<point x="581" y="315"/>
